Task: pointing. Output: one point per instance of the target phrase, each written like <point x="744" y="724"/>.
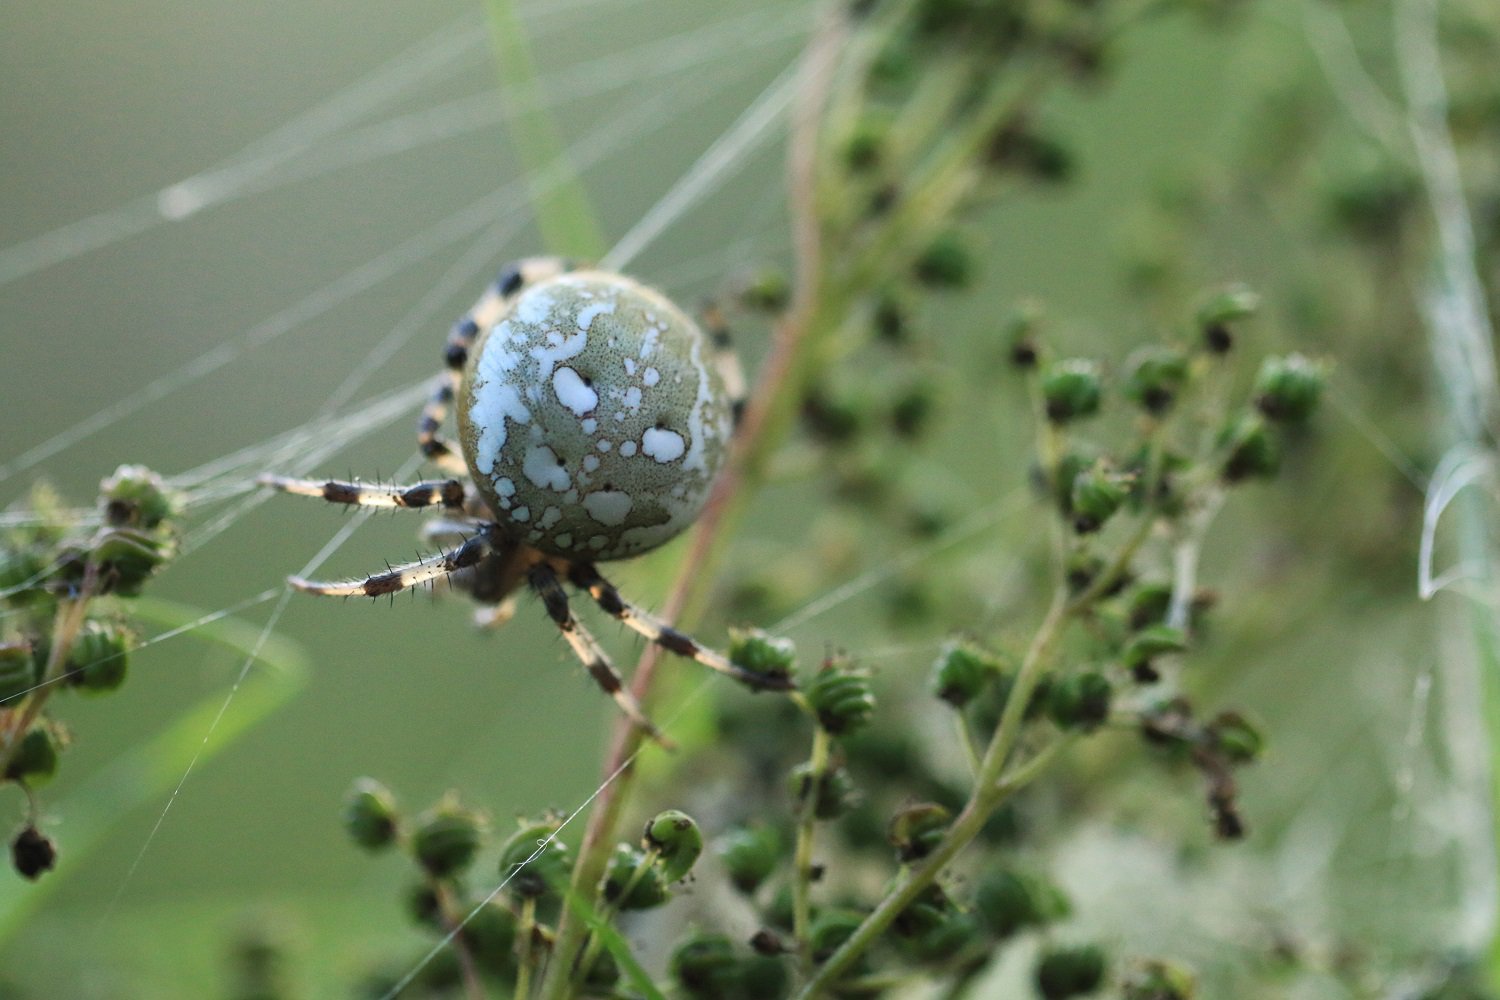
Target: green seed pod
<point x="830" y="929"/>
<point x="99" y="658"/>
<point x="705" y="966"/>
<point x="445" y="839"/>
<point x="961" y="671"/>
<point x="533" y="870"/>
<point x="1072" y="390"/>
<point x="946" y="263"/>
<point x="911" y="413"/>
<point x="1149" y="604"/>
<point x="830" y="795"/>
<point x="135" y="497"/>
<point x="631" y="883"/>
<point x="32" y="853"/>
<point x="1009" y="902"/>
<point x="1097" y="493"/>
<point x="767" y="292"/>
<point x="866" y="145"/>
<point x="1371" y="197"/>
<point x="1236" y="738"/>
<point x="370" y="816"/>
<point x="1287" y="388"/>
<point x="892" y="319"/>
<point x="1019" y="148"/>
<point x="1149" y="643"/>
<point x="602" y="974"/>
<point x="764" y="977"/>
<point x="442" y="975"/>
<point x="750" y="854"/>
<point x="932" y="929"/>
<point x="1080" y="701"/>
<point x="1216" y="315"/>
<point x="127" y="557"/>
<point x="490" y="934"/>
<point x="841" y="698"/>
<point x="1157" y="980"/>
<point x="916" y="830"/>
<point x="1021" y="335"/>
<point x="1251" y="451"/>
<point x="35" y="760"/>
<point x="677" y="841"/>
<point x="762" y="653"/>
<point x="1070" y="972"/>
<point x="1059" y="484"/>
<point x="18" y="672"/>
<point x="423" y="906"/>
<point x="1156" y="377"/>
<point x="836" y="415"/>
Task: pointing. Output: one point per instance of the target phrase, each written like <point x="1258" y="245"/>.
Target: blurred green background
<point x="1371" y="817"/>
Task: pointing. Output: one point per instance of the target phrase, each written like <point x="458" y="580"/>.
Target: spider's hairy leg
<point x="544" y="581"/>
<point x="587" y="577"/>
<point x="486" y="312"/>
<point x="725" y="358"/>
<point x="436" y="492"/>
<point x="399" y="578"/>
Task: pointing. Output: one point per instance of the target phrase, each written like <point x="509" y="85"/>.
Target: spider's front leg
<point x="587" y="577"/>
<point x="447" y="493"/>
<point x="485" y="313"/>
<point x="406" y="576"/>
<point x="595" y="660"/>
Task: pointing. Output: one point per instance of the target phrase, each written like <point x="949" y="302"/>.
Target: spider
<point x="592" y="414"/>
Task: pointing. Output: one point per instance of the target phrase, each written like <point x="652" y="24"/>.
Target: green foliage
<point x="63" y="585"/>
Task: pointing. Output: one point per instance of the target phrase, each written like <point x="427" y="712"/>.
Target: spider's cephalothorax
<point x="593" y="415"/>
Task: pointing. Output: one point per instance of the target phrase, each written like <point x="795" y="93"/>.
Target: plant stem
<point x="452" y="919"/>
<point x="807" y="824"/>
<point x="563" y="214"/>
<point x="65" y="628"/>
<point x="525" y="933"/>
<point x="965" y="828"/>
<point x="770" y="406"/>
<point x="608" y="909"/>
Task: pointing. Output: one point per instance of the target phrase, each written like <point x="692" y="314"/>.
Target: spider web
<point x="432" y="95"/>
<point x="641" y="89"/>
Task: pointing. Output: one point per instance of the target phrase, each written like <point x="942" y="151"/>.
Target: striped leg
<point x="544" y="581"/>
<point x="437" y="492"/>
<point x="484" y="314"/>
<point x="400" y="578"/>
<point x="725" y="359"/>
<point x="586" y="576"/>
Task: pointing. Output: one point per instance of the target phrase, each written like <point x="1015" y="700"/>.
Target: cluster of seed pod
<point x="65" y="580"/>
<point x="500" y="939"/>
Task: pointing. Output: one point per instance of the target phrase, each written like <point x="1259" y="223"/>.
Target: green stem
<point x="65" y="628"/>
<point x="965" y="828"/>
<point x="608" y="910"/>
<point x="525" y="953"/>
<point x="563" y="213"/>
<point x="807" y="823"/>
<point x="766" y="418"/>
<point x="452" y="919"/>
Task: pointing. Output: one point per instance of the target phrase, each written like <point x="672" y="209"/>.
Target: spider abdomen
<point x="592" y="418"/>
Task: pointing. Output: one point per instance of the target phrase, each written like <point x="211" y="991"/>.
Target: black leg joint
<point x="467" y="554"/>
<point x="510" y="280"/>
<point x="553" y="599"/>
<point x="457" y="355"/>
<point x="340" y="492"/>
<point x="676" y="642"/>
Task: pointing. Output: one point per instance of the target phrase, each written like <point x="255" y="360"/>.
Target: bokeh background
<point x="1371" y="816"/>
